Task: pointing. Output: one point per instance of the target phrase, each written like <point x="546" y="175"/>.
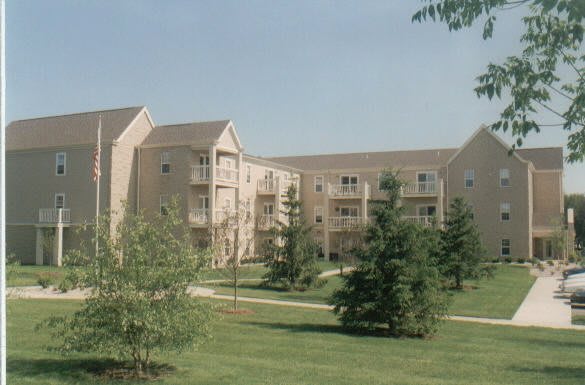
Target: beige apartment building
<point x="517" y="198"/>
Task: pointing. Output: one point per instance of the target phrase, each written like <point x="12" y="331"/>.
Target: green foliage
<point x="46" y="279"/>
<point x="293" y="257"/>
<point x="552" y="39"/>
<point x="461" y="248"/>
<point x="139" y="304"/>
<point x="397" y="282"/>
<point x="577" y="203"/>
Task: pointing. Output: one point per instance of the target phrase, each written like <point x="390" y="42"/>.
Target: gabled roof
<point x="69" y="130"/>
<point x="547" y="158"/>
<point x="395" y="159"/>
<point x="187" y="133"/>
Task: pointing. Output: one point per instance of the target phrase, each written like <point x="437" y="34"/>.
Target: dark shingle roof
<point x="68" y="130"/>
<point x="548" y="158"/>
<point x="189" y="133"/>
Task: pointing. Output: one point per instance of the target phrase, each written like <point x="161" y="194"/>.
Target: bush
<point x="508" y="259"/>
<point x="65" y="285"/>
<point x="521" y="260"/>
<point x="45" y="279"/>
<point x="540" y="266"/>
<point x="535" y="261"/>
<point x="496" y="260"/>
<point x="550" y="263"/>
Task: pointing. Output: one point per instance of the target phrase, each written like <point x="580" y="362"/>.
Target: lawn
<point x="494" y="298"/>
<point x="280" y="345"/>
<point x="27" y="275"/>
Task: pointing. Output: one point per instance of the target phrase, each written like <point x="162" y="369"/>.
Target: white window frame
<point x="163" y="202"/>
<point x="505" y="175"/>
<point x="350" y="176"/>
<point x="318" y="212"/>
<point x="268" y="174"/>
<point x="509" y="247"/>
<point x="59" y="195"/>
<point x="165" y="159"/>
<point x="248" y="174"/>
<point x="318" y="177"/>
<point x="64" y="163"/>
<point x="466" y="177"/>
<point x="505" y="208"/>
<point x="418" y="207"/>
<point x="204" y="201"/>
<point x="356" y="208"/>
<point x="228" y="163"/>
<point x="267" y="212"/>
<point x="433" y="173"/>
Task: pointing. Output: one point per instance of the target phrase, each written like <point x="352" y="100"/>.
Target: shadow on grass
<point x="80" y="368"/>
<point x="556" y="372"/>
<point x="321" y="329"/>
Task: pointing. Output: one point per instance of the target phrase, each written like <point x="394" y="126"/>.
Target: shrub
<point x="65" y="285"/>
<point x="540" y="266"/>
<point x="45" y="279"/>
<point x="508" y="259"/>
<point x="550" y="263"/>
<point x="521" y="260"/>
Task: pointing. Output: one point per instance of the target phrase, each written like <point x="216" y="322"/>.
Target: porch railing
<point x="54" y="215"/>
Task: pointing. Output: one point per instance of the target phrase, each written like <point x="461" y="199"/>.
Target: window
<point x="268" y="209"/>
<point x="505" y="250"/>
<point x="319" y="183"/>
<point x="319" y="214"/>
<point x="348" y="180"/>
<point x="505" y="211"/>
<point x="229" y="164"/>
<point x="248" y="173"/>
<point x="469" y="176"/>
<point x="248" y="208"/>
<point x="164" y="204"/>
<point x="165" y="162"/>
<point x="268" y="174"/>
<point x="426" y="211"/>
<point x="204" y="202"/>
<point x="60" y="201"/>
<point x="60" y="161"/>
<point x="504" y="177"/>
<point x="348" y="211"/>
<point x="227" y="203"/>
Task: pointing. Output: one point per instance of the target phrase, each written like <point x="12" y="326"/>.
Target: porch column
<point x="277" y="198"/>
<point x="212" y="162"/>
<point x="39" y="249"/>
<point x="239" y="167"/>
<point x="326" y="249"/>
<point x="365" y="202"/>
<point x="440" y="204"/>
<point x="58" y="246"/>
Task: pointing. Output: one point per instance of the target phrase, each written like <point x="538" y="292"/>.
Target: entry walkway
<point x="545" y="305"/>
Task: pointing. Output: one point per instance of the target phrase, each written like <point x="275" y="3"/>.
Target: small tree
<point x="139" y="303"/>
<point x="397" y="282"/>
<point x="558" y="240"/>
<point x="461" y="248"/>
<point x="233" y="237"/>
<point x="292" y="259"/>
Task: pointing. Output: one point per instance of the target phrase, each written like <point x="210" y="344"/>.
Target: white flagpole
<point x="97" y="188"/>
<point x="2" y="196"/>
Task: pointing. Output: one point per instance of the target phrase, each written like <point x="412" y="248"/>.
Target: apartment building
<point x="517" y="198"/>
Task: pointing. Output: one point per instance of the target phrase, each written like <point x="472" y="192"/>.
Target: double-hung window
<point x="469" y="178"/>
<point x="504" y="177"/>
<point x="60" y="162"/>
<point x="505" y="248"/>
<point x="248" y="173"/>
<point x="60" y="201"/>
<point x="318" y="214"/>
<point x="504" y="211"/>
<point x="164" y="204"/>
<point x="319" y="183"/>
<point x="165" y="162"/>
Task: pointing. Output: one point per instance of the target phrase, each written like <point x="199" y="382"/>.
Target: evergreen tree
<point x="293" y="257"/>
<point x="397" y="282"/>
<point x="461" y="248"/>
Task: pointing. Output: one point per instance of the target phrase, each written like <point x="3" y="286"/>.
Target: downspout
<point x="138" y="184"/>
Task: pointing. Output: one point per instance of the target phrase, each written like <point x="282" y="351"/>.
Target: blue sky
<point x="296" y="77"/>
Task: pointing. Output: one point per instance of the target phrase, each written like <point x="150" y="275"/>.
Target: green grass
<point x="27" y="275"/>
<point x="499" y="297"/>
<point x="279" y="345"/>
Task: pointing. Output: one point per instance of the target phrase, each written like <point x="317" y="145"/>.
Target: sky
<point x="296" y="77"/>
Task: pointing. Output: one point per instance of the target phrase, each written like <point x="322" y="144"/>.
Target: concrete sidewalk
<point x="545" y="305"/>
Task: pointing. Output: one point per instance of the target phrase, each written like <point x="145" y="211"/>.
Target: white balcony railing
<point x="226" y="174"/>
<point x="342" y="190"/>
<point x="222" y="215"/>
<point x="346" y="222"/>
<point x="266" y="221"/>
<point x="199" y="216"/>
<point x="420" y="188"/>
<point x="426" y="221"/>
<point x="200" y="173"/>
<point x="266" y="185"/>
<point x="54" y="215"/>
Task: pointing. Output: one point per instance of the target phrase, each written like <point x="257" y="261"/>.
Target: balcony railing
<point x="266" y="221"/>
<point x="226" y="174"/>
<point x="266" y="185"/>
<point x="199" y="216"/>
<point x="345" y="190"/>
<point x="346" y="222"/>
<point x="54" y="215"/>
<point x="420" y="188"/>
<point x="426" y="221"/>
<point x="222" y="215"/>
<point x="200" y="173"/>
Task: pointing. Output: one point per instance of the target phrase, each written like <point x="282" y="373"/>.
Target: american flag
<point x="95" y="170"/>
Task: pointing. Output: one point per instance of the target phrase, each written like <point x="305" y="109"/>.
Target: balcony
<point x="266" y="222"/>
<point x="420" y="189"/>
<point x="266" y="186"/>
<point x="226" y="174"/>
<point x="348" y="191"/>
<point x="54" y="216"/>
<point x="426" y="221"/>
<point x="202" y="174"/>
<point x="199" y="216"/>
<point x="339" y="223"/>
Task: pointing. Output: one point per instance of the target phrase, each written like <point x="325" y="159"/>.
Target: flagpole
<point x="97" y="188"/>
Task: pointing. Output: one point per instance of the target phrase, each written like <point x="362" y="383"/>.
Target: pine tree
<point x="293" y="257"/>
<point x="397" y="284"/>
<point x="461" y="248"/>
